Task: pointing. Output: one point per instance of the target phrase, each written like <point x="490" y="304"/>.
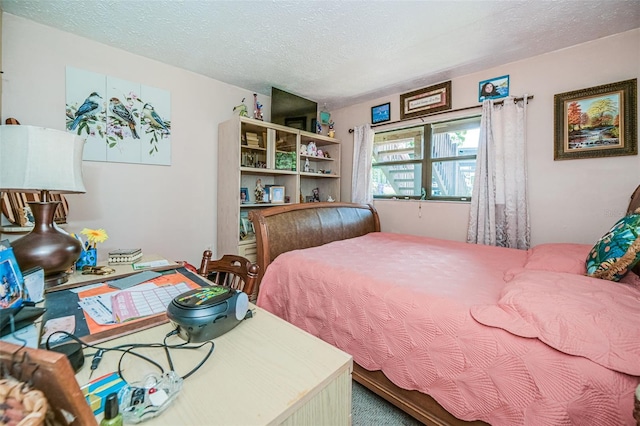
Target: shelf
<point x="315" y="158"/>
<point x="267" y="171"/>
<point x="318" y="175"/>
<point x="319" y="139"/>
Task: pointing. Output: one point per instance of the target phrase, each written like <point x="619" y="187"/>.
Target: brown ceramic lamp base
<point x="46" y="247"/>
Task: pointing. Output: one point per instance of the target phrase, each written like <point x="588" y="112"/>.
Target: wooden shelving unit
<point x="249" y="150"/>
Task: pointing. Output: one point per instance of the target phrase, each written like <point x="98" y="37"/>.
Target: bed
<point x="454" y="333"/>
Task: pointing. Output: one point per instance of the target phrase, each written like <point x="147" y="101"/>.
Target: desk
<point x="264" y="371"/>
<point x="77" y="279"/>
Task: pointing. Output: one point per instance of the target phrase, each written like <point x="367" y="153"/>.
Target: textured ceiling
<point x="334" y="52"/>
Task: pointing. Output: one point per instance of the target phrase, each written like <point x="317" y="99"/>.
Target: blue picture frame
<point x="381" y="113"/>
<point x="11" y="280"/>
<point x="494" y="88"/>
<point x="244" y="196"/>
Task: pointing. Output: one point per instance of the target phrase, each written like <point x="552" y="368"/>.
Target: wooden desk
<point x="264" y="371"/>
<point x="78" y="280"/>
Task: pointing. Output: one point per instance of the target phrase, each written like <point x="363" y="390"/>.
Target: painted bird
<point x="155" y="120"/>
<point x="120" y="111"/>
<point x="91" y="106"/>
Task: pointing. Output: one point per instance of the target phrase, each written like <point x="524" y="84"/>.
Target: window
<point x="435" y="161"/>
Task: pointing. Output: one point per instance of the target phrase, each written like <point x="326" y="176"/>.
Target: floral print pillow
<point x="618" y="251"/>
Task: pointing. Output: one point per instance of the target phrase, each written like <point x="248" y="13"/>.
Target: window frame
<point x="427" y="162"/>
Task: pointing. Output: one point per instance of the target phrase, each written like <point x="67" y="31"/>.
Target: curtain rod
<point x="521" y="98"/>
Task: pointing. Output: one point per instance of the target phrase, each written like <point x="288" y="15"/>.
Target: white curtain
<point x="362" y="151"/>
<point x="499" y="214"/>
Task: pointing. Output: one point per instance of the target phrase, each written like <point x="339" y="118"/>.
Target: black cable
<point x="129" y="349"/>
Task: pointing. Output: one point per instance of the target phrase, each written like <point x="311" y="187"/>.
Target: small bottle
<point x="112" y="416"/>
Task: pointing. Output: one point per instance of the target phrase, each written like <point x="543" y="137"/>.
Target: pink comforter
<point x="401" y="304"/>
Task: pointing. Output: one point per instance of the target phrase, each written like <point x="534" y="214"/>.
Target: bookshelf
<point x="250" y="150"/>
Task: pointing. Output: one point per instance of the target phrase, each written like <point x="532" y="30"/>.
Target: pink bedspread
<point x="401" y="304"/>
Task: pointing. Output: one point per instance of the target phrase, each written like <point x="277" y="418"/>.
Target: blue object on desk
<point x="97" y="391"/>
<point x="88" y="257"/>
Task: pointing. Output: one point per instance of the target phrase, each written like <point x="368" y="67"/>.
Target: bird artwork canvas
<point x="122" y="121"/>
<point x="90" y="108"/>
<point x="85" y="110"/>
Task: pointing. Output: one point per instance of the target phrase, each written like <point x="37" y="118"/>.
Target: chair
<point x="232" y="271"/>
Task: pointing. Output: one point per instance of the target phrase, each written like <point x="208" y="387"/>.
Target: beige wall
<point x="571" y="200"/>
<point x="169" y="210"/>
<point x="172" y="210"/>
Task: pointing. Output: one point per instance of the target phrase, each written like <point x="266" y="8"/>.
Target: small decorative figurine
<point x="259" y="191"/>
<point x="318" y="127"/>
<point x="241" y="108"/>
<point x="330" y="199"/>
<point x="316" y="195"/>
<point x="312" y="149"/>
<point x="319" y="153"/>
<point x="332" y="131"/>
<point x="306" y="165"/>
<point x="303" y="149"/>
<point x="257" y="108"/>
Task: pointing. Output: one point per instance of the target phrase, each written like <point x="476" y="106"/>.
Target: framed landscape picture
<point x="599" y="121"/>
<point x="425" y="101"/>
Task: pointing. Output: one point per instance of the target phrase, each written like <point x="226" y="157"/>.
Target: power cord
<point x="129" y="349"/>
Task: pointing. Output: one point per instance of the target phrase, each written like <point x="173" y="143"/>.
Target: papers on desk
<point x="151" y="264"/>
<point x="139" y="301"/>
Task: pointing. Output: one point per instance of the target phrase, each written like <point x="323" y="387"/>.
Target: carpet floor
<point x="368" y="409"/>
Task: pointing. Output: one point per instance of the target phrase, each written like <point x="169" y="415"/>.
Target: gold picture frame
<point x="596" y="122"/>
<point x="425" y="101"/>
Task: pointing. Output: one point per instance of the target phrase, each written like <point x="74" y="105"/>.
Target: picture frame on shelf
<point x="244" y="196"/>
<point x="425" y="101"/>
<point x="11" y="280"/>
<point x="494" y="88"/>
<point x="381" y="113"/>
<point x="599" y="121"/>
<point x="247" y="227"/>
<point x="277" y="194"/>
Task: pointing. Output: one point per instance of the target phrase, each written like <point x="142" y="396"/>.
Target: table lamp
<point x="44" y="161"/>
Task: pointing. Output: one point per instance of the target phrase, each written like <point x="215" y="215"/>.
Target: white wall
<point x="571" y="200"/>
<point x="168" y="210"/>
<point x="172" y="210"/>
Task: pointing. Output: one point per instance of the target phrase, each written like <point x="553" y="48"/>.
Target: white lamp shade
<point x="34" y="159"/>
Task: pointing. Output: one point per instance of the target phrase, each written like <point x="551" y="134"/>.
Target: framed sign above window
<point x="425" y="101"/>
<point x="599" y="121"/>
<point x="381" y="113"/>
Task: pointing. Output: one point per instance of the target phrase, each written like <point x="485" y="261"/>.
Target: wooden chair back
<point x="232" y="271"/>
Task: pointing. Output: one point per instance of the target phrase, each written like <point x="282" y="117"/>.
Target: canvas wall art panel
<point x="85" y="113"/>
<point x="123" y="121"/>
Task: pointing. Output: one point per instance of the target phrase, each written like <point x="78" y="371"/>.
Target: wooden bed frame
<point x="297" y="226"/>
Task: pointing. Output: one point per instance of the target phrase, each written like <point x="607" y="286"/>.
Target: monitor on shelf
<point x="294" y="111"/>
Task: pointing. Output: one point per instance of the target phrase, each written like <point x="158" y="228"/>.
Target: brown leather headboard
<point x="296" y="226"/>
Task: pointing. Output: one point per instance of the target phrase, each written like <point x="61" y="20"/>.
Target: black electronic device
<point x="207" y="312"/>
<point x="293" y="111"/>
